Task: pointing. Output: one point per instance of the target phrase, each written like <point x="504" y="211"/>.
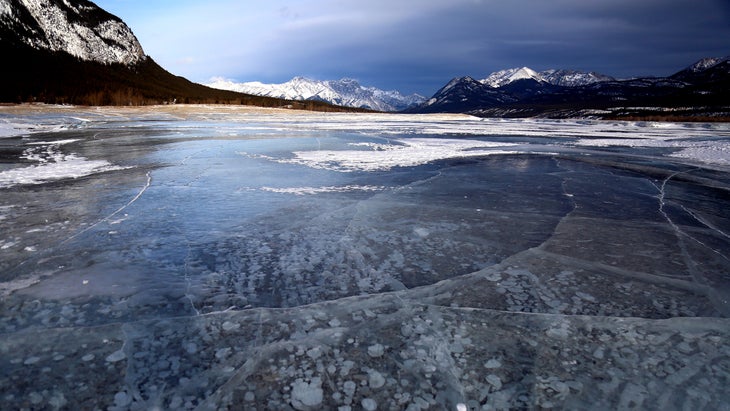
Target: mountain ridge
<point x="557" y="77"/>
<point x="699" y="91"/>
<point x="344" y="92"/>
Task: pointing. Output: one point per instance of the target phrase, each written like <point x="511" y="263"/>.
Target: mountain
<point x="566" y="78"/>
<point x="460" y="91"/>
<point x="705" y="70"/>
<point x="504" y="77"/>
<point x="700" y="91"/>
<point x="344" y="92"/>
<point x="573" y="78"/>
<point x="73" y="52"/>
<point x="705" y="64"/>
<point x="78" y="28"/>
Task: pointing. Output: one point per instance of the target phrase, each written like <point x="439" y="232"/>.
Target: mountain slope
<point x="79" y="28"/>
<point x="705" y="70"/>
<point x="344" y="92"/>
<point x="462" y="94"/>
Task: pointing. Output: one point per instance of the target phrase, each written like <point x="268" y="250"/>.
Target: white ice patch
<point x="68" y="166"/>
<point x="404" y="153"/>
<point x="715" y="153"/>
<point x="53" y="165"/>
<point x="706" y="151"/>
<point x="8" y="130"/>
<point x="318" y="190"/>
<point x="18" y="127"/>
<point x="57" y="143"/>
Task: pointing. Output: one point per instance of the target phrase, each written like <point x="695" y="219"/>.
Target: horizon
<point x="418" y="46"/>
<point x="309" y="78"/>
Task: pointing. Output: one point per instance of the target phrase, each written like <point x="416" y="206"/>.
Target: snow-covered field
<point x="220" y="257"/>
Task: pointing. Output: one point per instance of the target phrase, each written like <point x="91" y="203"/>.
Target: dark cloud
<point x="418" y="45"/>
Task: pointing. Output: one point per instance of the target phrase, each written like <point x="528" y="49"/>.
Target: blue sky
<point x="419" y="45"/>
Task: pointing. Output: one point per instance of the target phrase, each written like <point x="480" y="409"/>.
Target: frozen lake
<point x="212" y="257"/>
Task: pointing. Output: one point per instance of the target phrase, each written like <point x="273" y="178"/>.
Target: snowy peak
<point x="79" y="28"/>
<point x="460" y="84"/>
<point x="701" y="90"/>
<point x="706" y="63"/>
<point x="573" y="78"/>
<point x="565" y="78"/>
<point x="707" y="70"/>
<point x="344" y="92"/>
<point x="504" y="77"/>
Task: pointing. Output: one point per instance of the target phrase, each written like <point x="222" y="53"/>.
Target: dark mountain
<point x="705" y="70"/>
<point x="701" y="91"/>
<point x="463" y="94"/>
<point x="73" y="52"/>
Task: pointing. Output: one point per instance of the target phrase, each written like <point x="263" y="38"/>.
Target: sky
<point x="419" y="45"/>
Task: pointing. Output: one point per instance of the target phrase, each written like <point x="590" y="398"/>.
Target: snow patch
<point x="57" y="142"/>
<point x="405" y="153"/>
<point x="705" y="151"/>
<point x="54" y="165"/>
<point x="714" y="153"/>
<point x="319" y="190"/>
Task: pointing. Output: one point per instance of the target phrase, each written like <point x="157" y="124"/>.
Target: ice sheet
<point x="363" y="261"/>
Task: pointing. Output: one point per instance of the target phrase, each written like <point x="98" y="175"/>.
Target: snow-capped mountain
<point x="79" y="28"/>
<point x="565" y="78"/>
<point x="706" y="63"/>
<point x="573" y="78"/>
<point x="504" y="77"/>
<point x="344" y="92"/>
<point x="456" y="92"/>
<point x="700" y="90"/>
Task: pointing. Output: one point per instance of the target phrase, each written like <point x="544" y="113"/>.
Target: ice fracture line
<point x="705" y="222"/>
<point x="122" y="208"/>
<point x="662" y="203"/>
<point x="718" y="299"/>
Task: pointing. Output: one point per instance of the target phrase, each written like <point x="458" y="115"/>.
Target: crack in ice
<point x="122" y="208"/>
<point x="711" y="227"/>
<point x="717" y="299"/>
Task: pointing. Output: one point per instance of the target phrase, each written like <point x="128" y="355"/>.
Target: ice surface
<point x="239" y="258"/>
